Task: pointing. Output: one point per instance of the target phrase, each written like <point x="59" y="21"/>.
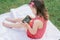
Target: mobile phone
<point x="26" y="19"/>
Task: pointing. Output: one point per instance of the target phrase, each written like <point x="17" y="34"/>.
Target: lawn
<point x="52" y="5"/>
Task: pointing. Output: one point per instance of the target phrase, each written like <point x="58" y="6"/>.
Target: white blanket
<point x="52" y="33"/>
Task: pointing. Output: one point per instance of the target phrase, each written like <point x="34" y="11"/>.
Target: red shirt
<point x="41" y="31"/>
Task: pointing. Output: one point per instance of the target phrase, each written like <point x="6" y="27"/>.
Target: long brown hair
<point x="41" y="10"/>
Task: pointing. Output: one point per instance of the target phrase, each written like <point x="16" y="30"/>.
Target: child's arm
<point x="37" y="24"/>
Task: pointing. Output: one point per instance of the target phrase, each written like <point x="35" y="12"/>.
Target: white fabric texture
<point x="52" y="33"/>
<point x="22" y="11"/>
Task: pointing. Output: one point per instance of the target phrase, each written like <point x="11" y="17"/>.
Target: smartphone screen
<point x="26" y="19"/>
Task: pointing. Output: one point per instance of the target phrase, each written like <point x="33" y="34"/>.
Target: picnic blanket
<point x="52" y="33"/>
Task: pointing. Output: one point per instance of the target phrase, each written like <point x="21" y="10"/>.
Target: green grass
<point x="6" y="5"/>
<point x="52" y="5"/>
<point x="54" y="11"/>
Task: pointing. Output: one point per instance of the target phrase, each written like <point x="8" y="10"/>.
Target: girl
<point x="37" y="26"/>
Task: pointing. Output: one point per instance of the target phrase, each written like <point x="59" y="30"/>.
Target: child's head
<point x="40" y="7"/>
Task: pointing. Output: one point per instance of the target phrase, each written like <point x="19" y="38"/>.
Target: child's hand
<point x="26" y="25"/>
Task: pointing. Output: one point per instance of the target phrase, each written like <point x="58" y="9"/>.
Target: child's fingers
<point x="26" y="24"/>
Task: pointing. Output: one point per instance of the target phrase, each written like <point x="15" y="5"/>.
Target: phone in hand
<point x="26" y="19"/>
